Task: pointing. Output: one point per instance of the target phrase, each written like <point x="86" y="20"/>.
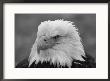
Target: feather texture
<point x="58" y="42"/>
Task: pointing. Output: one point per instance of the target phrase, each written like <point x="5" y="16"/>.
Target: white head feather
<point x="67" y="48"/>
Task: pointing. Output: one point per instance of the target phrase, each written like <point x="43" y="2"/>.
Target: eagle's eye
<point x="56" y="37"/>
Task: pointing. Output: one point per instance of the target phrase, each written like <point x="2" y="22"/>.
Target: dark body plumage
<point x="88" y="63"/>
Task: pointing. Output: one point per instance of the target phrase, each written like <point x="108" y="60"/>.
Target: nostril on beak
<point x="45" y="40"/>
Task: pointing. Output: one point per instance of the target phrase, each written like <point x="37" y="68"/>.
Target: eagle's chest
<point x="75" y="64"/>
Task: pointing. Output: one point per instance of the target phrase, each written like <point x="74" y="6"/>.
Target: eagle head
<point x="58" y="42"/>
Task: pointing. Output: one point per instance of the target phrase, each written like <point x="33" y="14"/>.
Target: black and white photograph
<point x="55" y="40"/>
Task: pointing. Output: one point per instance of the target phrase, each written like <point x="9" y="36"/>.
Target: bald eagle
<point x="58" y="45"/>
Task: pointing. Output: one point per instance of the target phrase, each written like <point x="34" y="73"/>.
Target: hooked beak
<point x="44" y="43"/>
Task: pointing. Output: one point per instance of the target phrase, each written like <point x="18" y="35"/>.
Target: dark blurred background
<point x="26" y="31"/>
